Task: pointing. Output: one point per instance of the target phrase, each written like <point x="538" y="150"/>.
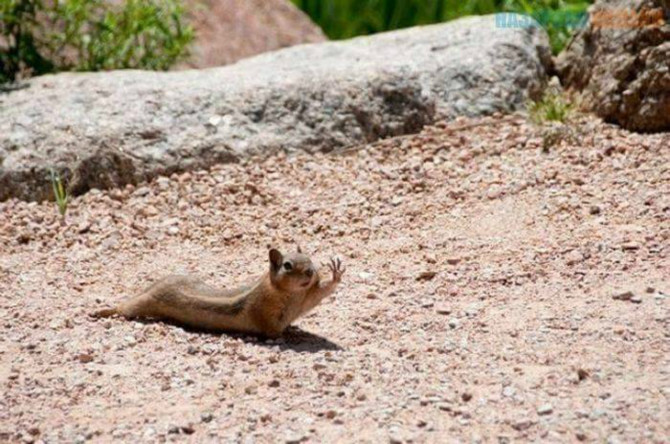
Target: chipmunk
<point x="268" y="305"/>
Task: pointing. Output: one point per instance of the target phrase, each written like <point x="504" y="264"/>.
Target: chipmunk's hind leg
<point x="104" y="313"/>
<point x="138" y="307"/>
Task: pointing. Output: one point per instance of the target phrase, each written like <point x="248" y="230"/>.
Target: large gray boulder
<point x="620" y="63"/>
<point x="107" y="129"/>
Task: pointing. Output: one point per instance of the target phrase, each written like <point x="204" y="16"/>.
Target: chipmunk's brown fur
<point x="267" y="306"/>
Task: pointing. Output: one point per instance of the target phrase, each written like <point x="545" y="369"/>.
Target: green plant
<point x="19" y="50"/>
<point x="347" y="18"/>
<point x="89" y="35"/>
<point x="60" y="193"/>
<point x="560" y="18"/>
<point x="552" y="107"/>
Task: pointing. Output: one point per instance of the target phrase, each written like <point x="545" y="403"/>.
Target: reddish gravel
<point x="479" y="302"/>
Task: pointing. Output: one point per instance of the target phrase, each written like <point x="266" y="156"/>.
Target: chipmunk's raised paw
<point x="336" y="268"/>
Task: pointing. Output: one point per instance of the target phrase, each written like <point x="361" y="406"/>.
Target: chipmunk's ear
<point x="275" y="259"/>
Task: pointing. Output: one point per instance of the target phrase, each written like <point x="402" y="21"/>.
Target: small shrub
<point x="341" y="19"/>
<point x="42" y="36"/>
<point x="553" y="107"/>
<point x="19" y="48"/>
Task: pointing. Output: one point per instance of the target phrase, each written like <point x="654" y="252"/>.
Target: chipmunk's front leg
<point x="323" y="289"/>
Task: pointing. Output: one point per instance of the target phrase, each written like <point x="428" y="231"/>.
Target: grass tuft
<point x="553" y="107"/>
<point x="60" y="193"/>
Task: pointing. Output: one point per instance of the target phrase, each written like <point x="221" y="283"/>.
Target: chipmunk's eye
<point x="309" y="272"/>
<point x="288" y="266"/>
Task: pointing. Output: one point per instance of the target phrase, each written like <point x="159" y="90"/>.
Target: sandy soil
<point x="481" y="301"/>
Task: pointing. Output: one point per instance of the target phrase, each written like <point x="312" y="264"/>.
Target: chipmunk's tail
<point x="104" y="313"/>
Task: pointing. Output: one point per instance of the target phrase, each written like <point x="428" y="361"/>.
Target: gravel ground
<point x="496" y="291"/>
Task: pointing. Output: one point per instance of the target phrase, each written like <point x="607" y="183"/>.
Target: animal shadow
<point x="294" y="338"/>
<point x="300" y="340"/>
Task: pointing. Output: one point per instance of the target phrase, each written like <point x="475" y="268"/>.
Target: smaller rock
<point x="206" y="417"/>
<point x="522" y="424"/>
<point x="295" y="438"/>
<point x="84" y="227"/>
<point x="85" y="358"/>
<point x="444" y="406"/>
<point x="173" y="430"/>
<point x="34" y="431"/>
<point x="466" y="396"/>
<point x="149" y="211"/>
<point x="431" y="258"/>
<point x="426" y="275"/>
<point x="545" y="409"/>
<point x="494" y="192"/>
<point x="509" y="391"/>
<point x="453" y="260"/>
<point x="24" y="238"/>
<point x="624" y="296"/>
<point x="365" y="275"/>
<point x="582" y="374"/>
<point x="594" y="209"/>
<point x="187" y="429"/>
<point x="117" y="195"/>
<point x="442" y="309"/>
<point x="274" y="383"/>
<point x="636" y="299"/>
<point x="630" y="246"/>
<point x="163" y="183"/>
<point x="453" y="323"/>
<point x="574" y="257"/>
<point x="142" y="191"/>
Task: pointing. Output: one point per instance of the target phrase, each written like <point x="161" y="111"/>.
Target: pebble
<point x="85" y="358"/>
<point x="522" y="424"/>
<point x="149" y="211"/>
<point x="426" y="275"/>
<point x="84" y="227"/>
<point x="295" y="438"/>
<point x="142" y="191"/>
<point x="163" y="183"/>
<point x="453" y="323"/>
<point x="365" y="275"/>
<point x="574" y="257"/>
<point x="624" y="296"/>
<point x="206" y="417"/>
<point x="444" y="406"/>
<point x="442" y="309"/>
<point x="545" y="409"/>
<point x="509" y="391"/>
